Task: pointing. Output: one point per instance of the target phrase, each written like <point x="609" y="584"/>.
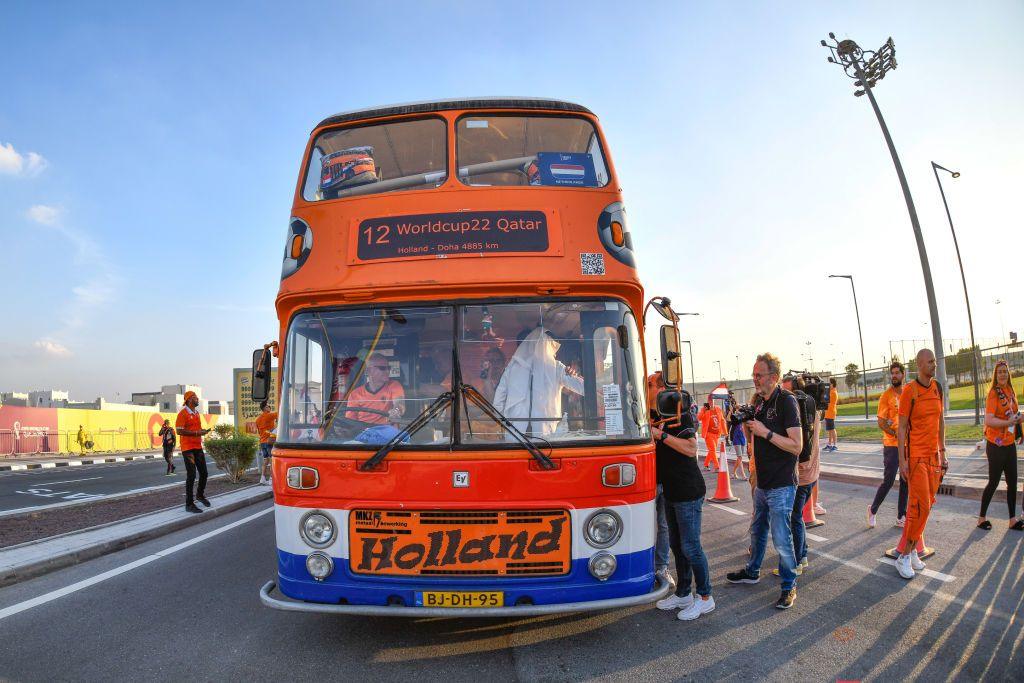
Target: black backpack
<point x="808" y="408"/>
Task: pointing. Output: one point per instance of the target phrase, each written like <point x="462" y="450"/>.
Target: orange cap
<point x="190" y="394"/>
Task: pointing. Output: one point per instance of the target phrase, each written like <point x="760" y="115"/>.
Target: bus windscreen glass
<point x="561" y="372"/>
<point x="552" y="151"/>
<point x="370" y="159"/>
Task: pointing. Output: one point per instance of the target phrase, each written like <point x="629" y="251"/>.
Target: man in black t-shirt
<point x="777" y="443"/>
<point x="683" y="487"/>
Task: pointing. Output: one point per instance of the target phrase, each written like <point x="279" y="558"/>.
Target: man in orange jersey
<point x="265" y="425"/>
<point x="380" y="394"/>
<point x="830" y="415"/>
<point x="921" y="439"/>
<point x="888" y="422"/>
<point x="712" y="424"/>
<point x="190" y="428"/>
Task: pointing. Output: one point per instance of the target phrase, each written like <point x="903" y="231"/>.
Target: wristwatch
<point x="770" y="436"/>
<point x="664" y="435"/>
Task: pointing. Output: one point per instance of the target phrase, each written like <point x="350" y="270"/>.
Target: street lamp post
<point x="719" y="369"/>
<point x="867" y="68"/>
<point x="967" y="299"/>
<point x="863" y="363"/>
<point x="693" y="378"/>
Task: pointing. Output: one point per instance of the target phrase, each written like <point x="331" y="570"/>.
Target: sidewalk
<point x="44" y="461"/>
<point x="28" y="560"/>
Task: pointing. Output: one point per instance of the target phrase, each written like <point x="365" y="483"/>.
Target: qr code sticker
<point x="592" y="264"/>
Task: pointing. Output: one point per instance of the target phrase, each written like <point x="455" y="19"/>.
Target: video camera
<point x="812" y="385"/>
<point x="741" y="413"/>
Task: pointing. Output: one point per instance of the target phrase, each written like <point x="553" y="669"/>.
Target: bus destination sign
<point x="440" y="235"/>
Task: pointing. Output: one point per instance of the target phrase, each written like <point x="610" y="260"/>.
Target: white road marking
<point x="927" y="572"/>
<point x="67" y="481"/>
<point x="48" y="465"/>
<point x="734" y="511"/>
<point x="815" y="537"/>
<point x="99" y="578"/>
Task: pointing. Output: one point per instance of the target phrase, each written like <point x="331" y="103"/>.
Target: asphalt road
<point x="41" y="487"/>
<point x="964" y="461"/>
<point x="193" y="613"/>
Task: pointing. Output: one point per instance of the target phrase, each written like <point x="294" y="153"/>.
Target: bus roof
<point x="456" y="103"/>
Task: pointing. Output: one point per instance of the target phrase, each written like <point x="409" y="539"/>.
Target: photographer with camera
<point x="778" y="440"/>
<point x="683" y="487"/>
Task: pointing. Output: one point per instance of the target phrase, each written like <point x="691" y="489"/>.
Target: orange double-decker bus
<point x="463" y="422"/>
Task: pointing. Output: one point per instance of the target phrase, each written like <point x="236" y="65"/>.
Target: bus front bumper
<point x="661" y="589"/>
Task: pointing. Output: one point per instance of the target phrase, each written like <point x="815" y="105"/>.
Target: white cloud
<point x="52" y="348"/>
<point x="43" y="214"/>
<point x="97" y="291"/>
<point x="13" y="162"/>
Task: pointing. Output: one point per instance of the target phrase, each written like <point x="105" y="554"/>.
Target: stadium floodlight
<point x="866" y="68"/>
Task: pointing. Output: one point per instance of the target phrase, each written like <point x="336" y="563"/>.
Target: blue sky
<point x="148" y="154"/>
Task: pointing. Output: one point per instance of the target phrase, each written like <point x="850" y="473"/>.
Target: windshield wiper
<point x="471" y="392"/>
<point x="420" y="421"/>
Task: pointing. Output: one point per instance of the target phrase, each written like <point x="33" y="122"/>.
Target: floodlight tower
<point x="867" y="68"/>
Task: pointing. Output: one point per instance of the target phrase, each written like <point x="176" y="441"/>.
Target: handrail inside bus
<point x="434" y="176"/>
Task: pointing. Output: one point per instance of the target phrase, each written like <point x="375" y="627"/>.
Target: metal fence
<point x="52" y="442"/>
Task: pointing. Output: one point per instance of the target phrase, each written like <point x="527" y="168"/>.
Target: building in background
<point x="218" y="408"/>
<point x="49" y="398"/>
<point x="14" y="398"/>
<point x="170" y="398"/>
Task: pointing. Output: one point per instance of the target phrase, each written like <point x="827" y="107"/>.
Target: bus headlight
<point x="602" y="566"/>
<point x="317" y="529"/>
<point x="319" y="565"/>
<point x="602" y="529"/>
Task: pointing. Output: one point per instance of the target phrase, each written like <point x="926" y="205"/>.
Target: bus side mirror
<point x="671" y="359"/>
<point x="260" y="374"/>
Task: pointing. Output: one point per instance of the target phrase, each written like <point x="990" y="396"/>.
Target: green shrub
<point x="232" y="451"/>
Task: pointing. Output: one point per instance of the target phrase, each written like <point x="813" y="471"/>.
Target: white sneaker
<point x="900" y="522"/>
<point x="675" y="602"/>
<point x="904" y="567"/>
<point x="666" y="576"/>
<point x="698" y="608"/>
<point x="871" y="519"/>
<point x="263" y="482"/>
<point x="915" y="561"/>
<point x="818" y="510"/>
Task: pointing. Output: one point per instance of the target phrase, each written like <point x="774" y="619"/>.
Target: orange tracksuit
<point x="712" y="421"/>
<point x="923" y="408"/>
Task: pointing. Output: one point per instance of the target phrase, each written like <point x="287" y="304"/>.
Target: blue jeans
<point x="803" y="494"/>
<point x="684" y="537"/>
<point x="661" y="546"/>
<point x="773" y="509"/>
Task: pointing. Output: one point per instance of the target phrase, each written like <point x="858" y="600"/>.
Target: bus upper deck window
<point x="375" y="158"/>
<point x="552" y="151"/>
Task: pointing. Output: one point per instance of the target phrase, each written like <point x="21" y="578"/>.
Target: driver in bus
<point x="530" y="390"/>
<point x="380" y="394"/>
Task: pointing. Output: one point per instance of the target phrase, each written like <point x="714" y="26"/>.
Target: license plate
<point x="471" y="599"/>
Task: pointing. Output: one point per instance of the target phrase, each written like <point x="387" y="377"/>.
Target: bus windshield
<point x="560" y="372"/>
<point x="502" y="149"/>
<point x="384" y="157"/>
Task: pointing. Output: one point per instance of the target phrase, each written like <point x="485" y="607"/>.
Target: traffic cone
<point x="810" y="521"/>
<point x="723" y="493"/>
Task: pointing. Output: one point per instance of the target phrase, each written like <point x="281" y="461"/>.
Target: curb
<point x="956" y="488"/>
<point x="29" y="570"/>
<point x="75" y="463"/>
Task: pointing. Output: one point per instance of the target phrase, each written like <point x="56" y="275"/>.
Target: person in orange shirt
<point x="380" y="394"/>
<point x="888" y="422"/>
<point x="1002" y="418"/>
<point x="266" y="423"/>
<point x="712" y="423"/>
<point x="830" y="416"/>
<point x="189" y="426"/>
<point x="921" y="439"/>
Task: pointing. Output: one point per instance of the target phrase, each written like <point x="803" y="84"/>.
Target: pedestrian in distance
<point x="1002" y="434"/>
<point x="684" y="489"/>
<point x="266" y="423"/>
<point x="81" y="439"/>
<point x="190" y="428"/>
<point x="778" y="440"/>
<point x="830" y="416"/>
<point x="655" y="385"/>
<point x="921" y="439"/>
<point x="712" y="422"/>
<point x="808" y="468"/>
<point x="888" y="422"/>
<point x="169" y="440"/>
<point x="738" y="439"/>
